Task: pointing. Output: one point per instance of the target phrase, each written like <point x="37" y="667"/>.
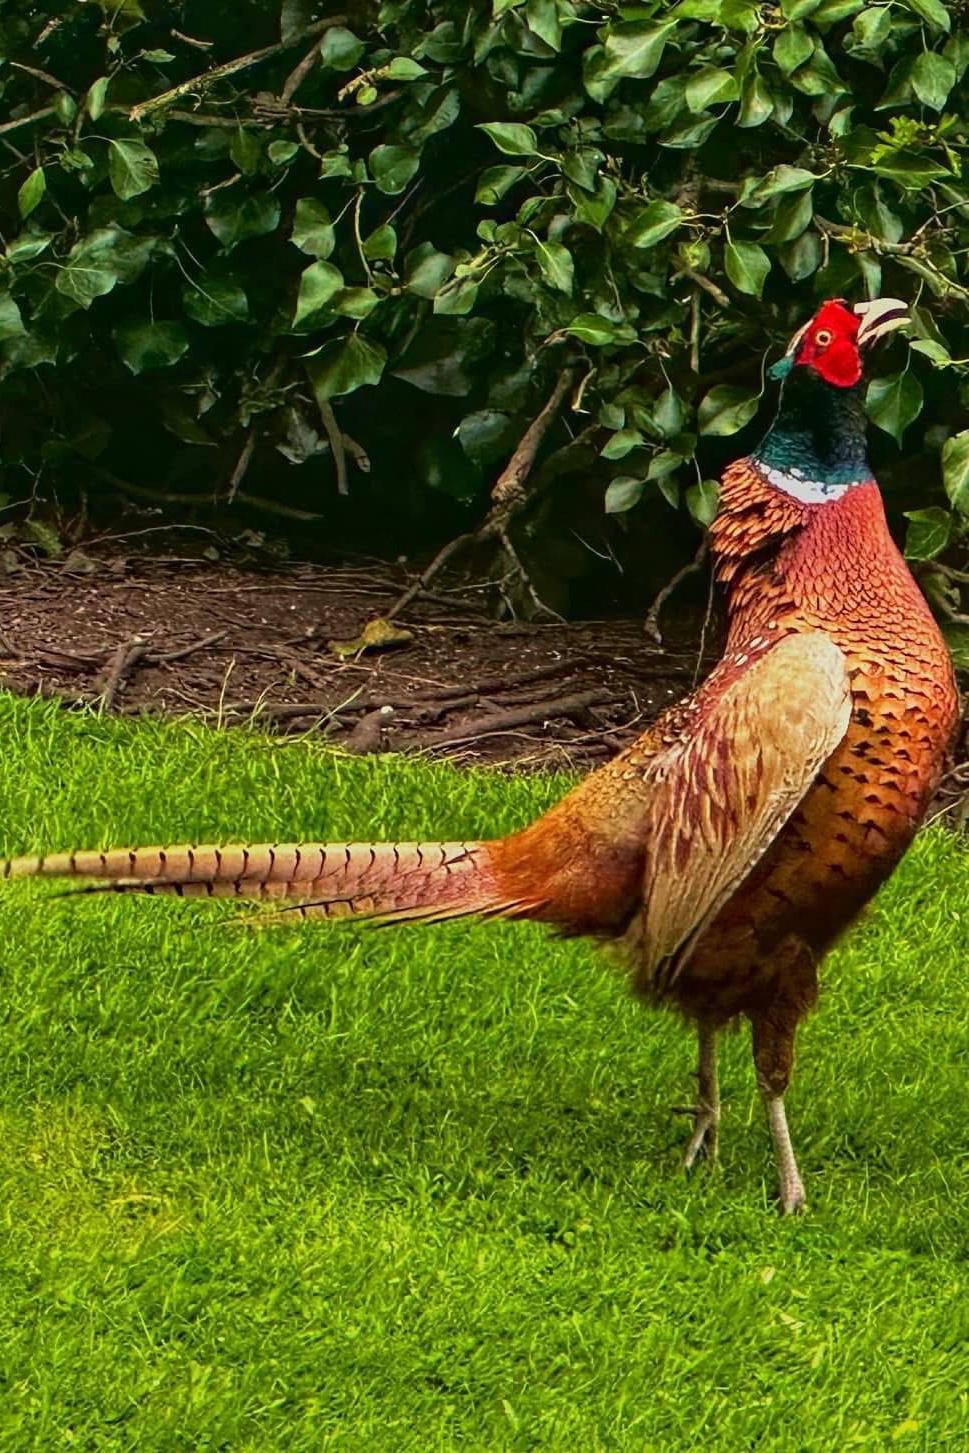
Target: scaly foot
<point x="705" y="1136"/>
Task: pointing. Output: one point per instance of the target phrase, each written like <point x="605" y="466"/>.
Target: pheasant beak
<point x="880" y="316"/>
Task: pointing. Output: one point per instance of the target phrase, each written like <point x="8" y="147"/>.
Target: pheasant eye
<point x="822" y="338"/>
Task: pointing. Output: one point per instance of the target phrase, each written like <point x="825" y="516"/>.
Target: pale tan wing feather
<point x="718" y="800"/>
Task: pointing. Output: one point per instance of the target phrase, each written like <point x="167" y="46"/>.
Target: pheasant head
<point x="831" y="344"/>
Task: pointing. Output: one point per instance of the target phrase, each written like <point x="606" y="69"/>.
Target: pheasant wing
<point x="719" y="798"/>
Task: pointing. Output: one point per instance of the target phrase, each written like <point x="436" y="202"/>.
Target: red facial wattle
<point x="829" y="345"/>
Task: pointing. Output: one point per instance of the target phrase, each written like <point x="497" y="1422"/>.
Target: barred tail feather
<point x="391" y="882"/>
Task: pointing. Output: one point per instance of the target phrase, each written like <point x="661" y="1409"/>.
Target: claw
<point x="705" y="1135"/>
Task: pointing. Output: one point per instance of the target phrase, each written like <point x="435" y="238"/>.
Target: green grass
<point x="330" y="1188"/>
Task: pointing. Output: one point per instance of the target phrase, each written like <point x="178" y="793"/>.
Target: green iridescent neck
<point x="820" y="431"/>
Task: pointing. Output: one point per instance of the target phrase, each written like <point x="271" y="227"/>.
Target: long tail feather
<point x="392" y="882"/>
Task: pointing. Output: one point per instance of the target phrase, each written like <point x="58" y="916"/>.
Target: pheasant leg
<point x="790" y="1187"/>
<point x="706" y="1112"/>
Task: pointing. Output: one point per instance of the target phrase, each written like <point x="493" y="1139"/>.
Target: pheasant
<point x="725" y="850"/>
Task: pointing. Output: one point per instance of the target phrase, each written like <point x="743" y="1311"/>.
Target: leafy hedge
<point x="253" y="247"/>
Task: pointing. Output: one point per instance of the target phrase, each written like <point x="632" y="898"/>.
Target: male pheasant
<point x="727" y="848"/>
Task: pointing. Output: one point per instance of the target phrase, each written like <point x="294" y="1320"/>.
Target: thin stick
<point x="202" y="82"/>
<point x="125" y="656"/>
<point x="336" y="445"/>
<point x="651" y="623"/>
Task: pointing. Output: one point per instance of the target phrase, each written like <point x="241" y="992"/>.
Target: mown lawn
<point x="330" y="1188"/>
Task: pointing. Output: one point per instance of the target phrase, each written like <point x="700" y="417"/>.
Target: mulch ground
<point x="183" y="635"/>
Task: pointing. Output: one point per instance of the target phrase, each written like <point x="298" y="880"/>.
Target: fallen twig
<point x="123" y="658"/>
<point x="651" y="623"/>
<point x="532" y="715"/>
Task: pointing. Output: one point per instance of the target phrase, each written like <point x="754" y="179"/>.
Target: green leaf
<point x="780" y="179"/>
<point x="340" y="49"/>
<point x="28" y="246"/>
<point x="955" y="470"/>
<point x="317" y="285"/>
<point x="403" y="68"/>
<point x="792" y="48"/>
<point x="381" y="245"/>
<point x="312" y="229"/>
<point x="345" y="365"/>
<point x="96" y="97"/>
<point x="495" y="181"/>
<point x="932" y="79"/>
<point x="726" y="409"/>
<point x="393" y="166"/>
<point x="622" y="442"/>
<point x="11" y="323"/>
<point x="747" y="266"/>
<point x="756" y="103"/>
<point x="294" y="17"/>
<point x="132" y="167"/>
<point x="702" y="500"/>
<point x="597" y="331"/>
<point x="214" y="301"/>
<point x="669" y="413"/>
<point x="792" y="215"/>
<point x="353" y="302"/>
<point x="710" y="86"/>
<point x="933" y="351"/>
<point x="484" y="436"/>
<point x="427" y="270"/>
<point x="623" y="492"/>
<point x="594" y="210"/>
<point x="893" y="402"/>
<point x="32" y="191"/>
<point x="555" y="263"/>
<point x="456" y="297"/>
<point x="150" y="345"/>
<point x="511" y="137"/>
<point x="97" y="262"/>
<point x="929" y="532"/>
<point x="634" y="48"/>
<point x="654" y="223"/>
<point x="245" y="149"/>
<point x="280" y="152"/>
<point x="543" y="21"/>
<point x="233" y="220"/>
<point x="931" y="11"/>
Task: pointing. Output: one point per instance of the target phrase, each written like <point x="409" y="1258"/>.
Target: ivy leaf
<point x="622" y="442"/>
<point x="96" y="97"/>
<point x="132" y="167"/>
<point x="214" y="301"/>
<point x="381" y="245"/>
<point x="294" y="17"/>
<point x="597" y="331"/>
<point x="393" y="166"/>
<point x="312" y="229"/>
<point x="710" y="86"/>
<point x="747" y="266"/>
<point x="511" y="137"/>
<point x="654" y="223"/>
<point x="929" y="532"/>
<point x="97" y="262"/>
<point x="150" y="345"/>
<point x="30" y="194"/>
<point x="317" y="286"/>
<point x="495" y="181"/>
<point x="427" y="270"/>
<point x="555" y="263"/>
<point x="623" y="492"/>
<point x="726" y="409"/>
<point x="233" y="221"/>
<point x="792" y="48"/>
<point x="11" y="323"/>
<point x="778" y="180"/>
<point x="403" y="68"/>
<point x="932" y="78"/>
<point x="931" y="11"/>
<point x="340" y="49"/>
<point x="345" y="365"/>
<point x="702" y="500"/>
<point x="634" y="48"/>
<point x="543" y="21"/>
<point x="955" y="470"/>
<point x="893" y="402"/>
<point x="456" y="297"/>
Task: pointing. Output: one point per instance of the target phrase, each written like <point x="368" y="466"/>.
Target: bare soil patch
<point x="179" y="635"/>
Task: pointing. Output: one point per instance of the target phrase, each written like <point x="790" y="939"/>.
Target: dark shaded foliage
<point x="252" y="247"/>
